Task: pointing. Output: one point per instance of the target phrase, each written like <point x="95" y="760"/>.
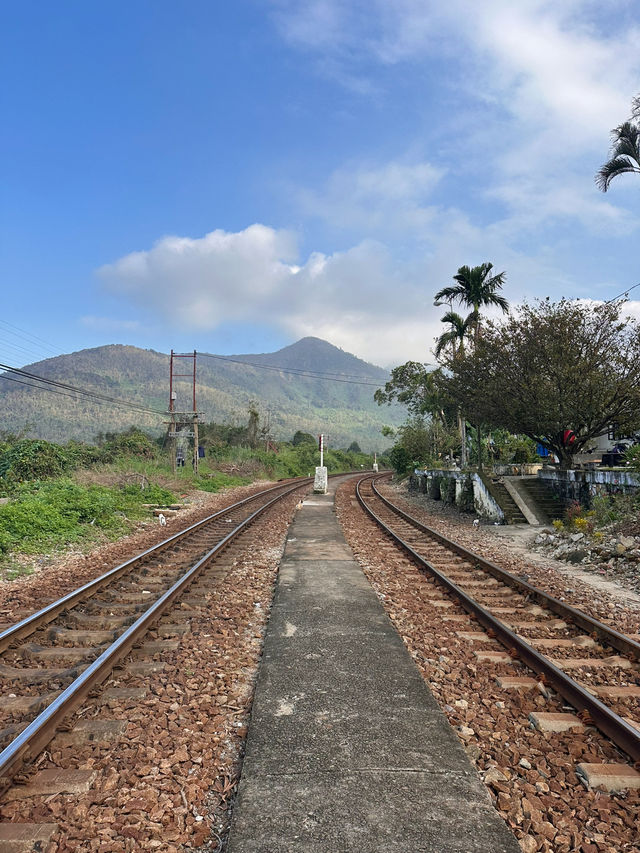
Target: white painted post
<point x="321" y="480"/>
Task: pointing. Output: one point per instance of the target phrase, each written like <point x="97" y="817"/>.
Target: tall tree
<point x="624" y="155"/>
<point x="458" y="332"/>
<point x="476" y="288"/>
<point x="560" y="373"/>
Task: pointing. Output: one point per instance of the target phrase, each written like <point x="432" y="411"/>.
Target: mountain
<point x="283" y="383"/>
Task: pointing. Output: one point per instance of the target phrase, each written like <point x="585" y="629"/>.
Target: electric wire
<point x="310" y="374"/>
<point x="94" y="395"/>
<point x="624" y="293"/>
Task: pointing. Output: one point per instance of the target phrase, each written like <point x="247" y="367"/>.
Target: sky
<point x="230" y="177"/>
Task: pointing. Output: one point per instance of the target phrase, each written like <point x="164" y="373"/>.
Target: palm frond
<point x="611" y="170"/>
<point x="448" y="294"/>
<point x="624" y="156"/>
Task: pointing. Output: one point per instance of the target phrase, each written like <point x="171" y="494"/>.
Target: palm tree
<point x="476" y="288"/>
<point x="459" y="331"/>
<point x="625" y="152"/>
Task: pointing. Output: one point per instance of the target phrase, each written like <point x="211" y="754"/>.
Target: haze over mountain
<point x="284" y="383"/>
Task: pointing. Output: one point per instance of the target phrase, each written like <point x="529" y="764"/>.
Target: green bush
<point x="632" y="457"/>
<point x="52" y="513"/>
<point x="32" y="459"/>
<point x="132" y="442"/>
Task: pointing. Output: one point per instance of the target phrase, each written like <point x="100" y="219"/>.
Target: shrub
<point x="558" y="525"/>
<point x="32" y="459"/>
<point x="133" y="442"/>
<point x="632" y="457"/>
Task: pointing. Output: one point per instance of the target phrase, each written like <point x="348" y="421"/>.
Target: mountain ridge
<point x="283" y="382"/>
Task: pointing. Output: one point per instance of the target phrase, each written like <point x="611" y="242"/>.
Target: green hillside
<point x="225" y="387"/>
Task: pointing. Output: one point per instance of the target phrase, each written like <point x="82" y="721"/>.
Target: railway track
<point x="591" y="665"/>
<point x="54" y="659"/>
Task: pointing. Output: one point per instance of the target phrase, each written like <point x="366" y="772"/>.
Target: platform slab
<point x="347" y="748"/>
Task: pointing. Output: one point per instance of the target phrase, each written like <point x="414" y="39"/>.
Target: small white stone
<point x="524" y="763"/>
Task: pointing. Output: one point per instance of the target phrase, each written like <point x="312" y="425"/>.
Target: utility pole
<point x="182" y="422"/>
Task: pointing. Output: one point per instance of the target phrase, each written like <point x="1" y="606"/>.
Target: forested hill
<point x="225" y="387"/>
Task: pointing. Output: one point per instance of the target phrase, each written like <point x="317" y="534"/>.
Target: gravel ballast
<point x="530" y="774"/>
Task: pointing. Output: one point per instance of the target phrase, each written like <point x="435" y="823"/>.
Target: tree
<point x="475" y="288"/>
<point x="414" y="385"/>
<point x="559" y="373"/>
<point x="458" y="333"/>
<point x="301" y="437"/>
<point x="624" y="155"/>
<point x="354" y="447"/>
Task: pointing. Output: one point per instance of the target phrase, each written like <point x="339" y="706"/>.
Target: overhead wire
<point x="27" y="335"/>
<point x="310" y="374"/>
<point x="84" y="392"/>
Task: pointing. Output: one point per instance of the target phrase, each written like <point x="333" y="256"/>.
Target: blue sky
<point x="232" y="176"/>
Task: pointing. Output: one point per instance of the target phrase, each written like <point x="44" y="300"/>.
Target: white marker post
<point x="321" y="480"/>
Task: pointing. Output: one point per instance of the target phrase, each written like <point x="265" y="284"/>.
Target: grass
<point x="54" y="505"/>
<point x="11" y="569"/>
<point x="52" y="514"/>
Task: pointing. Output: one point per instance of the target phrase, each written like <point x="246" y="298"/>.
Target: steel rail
<point x="625" y="736"/>
<point x="32" y="623"/>
<point x="32" y="740"/>
<point x="604" y="632"/>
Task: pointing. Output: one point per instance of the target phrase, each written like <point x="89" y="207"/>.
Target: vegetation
<point x="459" y="331"/>
<point x="475" y="288"/>
<point x="301" y="401"/>
<point x="76" y="494"/>
<point x="559" y="373"/>
<point x="624" y="156"/>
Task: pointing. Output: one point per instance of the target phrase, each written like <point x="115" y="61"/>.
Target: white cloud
<point x="204" y="282"/>
<point x="545" y="82"/>
<point x="362" y="299"/>
<point x="378" y="198"/>
<point x="250" y="276"/>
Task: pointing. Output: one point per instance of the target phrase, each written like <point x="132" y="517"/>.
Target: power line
<point x="98" y="397"/>
<point x="624" y="293"/>
<point x="37" y="387"/>
<point x="27" y="337"/>
<point x="310" y="374"/>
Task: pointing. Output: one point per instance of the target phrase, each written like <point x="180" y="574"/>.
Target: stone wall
<point x="582" y="486"/>
<point x="465" y="491"/>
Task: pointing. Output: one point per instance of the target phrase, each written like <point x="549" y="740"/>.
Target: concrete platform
<point x="347" y="748"/>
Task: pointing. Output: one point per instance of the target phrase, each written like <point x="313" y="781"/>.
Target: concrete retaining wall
<point x="458" y="489"/>
<point x="582" y="486"/>
<point x="519" y="470"/>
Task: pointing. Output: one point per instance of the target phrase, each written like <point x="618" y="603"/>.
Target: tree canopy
<point x="414" y="385"/>
<point x="560" y="373"/>
<point x="624" y="155"/>
<point x="475" y="288"/>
